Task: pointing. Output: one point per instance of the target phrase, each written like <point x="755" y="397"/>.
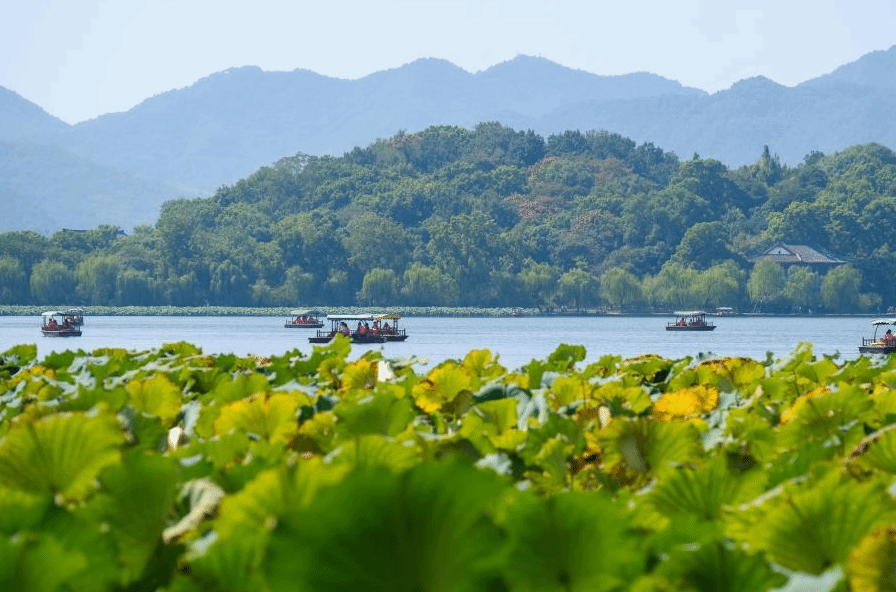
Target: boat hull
<point x="61" y="332"/>
<point x="877" y="349"/>
<point x="303" y="325"/>
<point x="686" y="328"/>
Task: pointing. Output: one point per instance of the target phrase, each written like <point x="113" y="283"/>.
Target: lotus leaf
<point x="570" y="541"/>
<point x="871" y="566"/>
<point x="60" y="455"/>
<point x="430" y="528"/>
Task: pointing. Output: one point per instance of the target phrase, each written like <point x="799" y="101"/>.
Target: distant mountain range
<point x="119" y="168"/>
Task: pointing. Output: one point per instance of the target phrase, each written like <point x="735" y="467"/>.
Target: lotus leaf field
<point x="174" y="470"/>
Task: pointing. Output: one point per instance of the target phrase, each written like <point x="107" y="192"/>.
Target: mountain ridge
<point x="223" y="127"/>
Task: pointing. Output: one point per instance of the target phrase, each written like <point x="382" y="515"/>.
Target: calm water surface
<point x="516" y="340"/>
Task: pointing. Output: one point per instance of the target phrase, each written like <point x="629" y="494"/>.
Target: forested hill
<point x="188" y="142"/>
<point x="491" y="217"/>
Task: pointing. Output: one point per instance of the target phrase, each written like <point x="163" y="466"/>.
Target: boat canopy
<point x="688" y="313"/>
<point x="300" y="312"/>
<point x="883" y="322"/>
<point x="52" y="313"/>
<point x="387" y="317"/>
<point x="352" y="317"/>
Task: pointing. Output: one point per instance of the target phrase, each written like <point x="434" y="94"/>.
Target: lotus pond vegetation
<point x="175" y="470"/>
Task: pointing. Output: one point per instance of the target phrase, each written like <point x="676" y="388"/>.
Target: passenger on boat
<point x="386" y="328"/>
<point x="376" y="327"/>
<point x="889" y="338"/>
<point x="361" y="329"/>
<point x="343" y="328"/>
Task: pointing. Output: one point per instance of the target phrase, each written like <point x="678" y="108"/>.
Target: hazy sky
<point x="82" y="58"/>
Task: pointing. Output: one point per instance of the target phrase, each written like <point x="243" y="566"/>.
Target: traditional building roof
<point x="798" y="255"/>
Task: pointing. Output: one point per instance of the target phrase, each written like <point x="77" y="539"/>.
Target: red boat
<point x="880" y="345"/>
<point x="694" y="320"/>
<point x="303" y="319"/>
<point x="59" y="324"/>
<point x="358" y="328"/>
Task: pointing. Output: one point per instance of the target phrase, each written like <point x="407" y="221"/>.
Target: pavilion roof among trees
<point x="786" y="254"/>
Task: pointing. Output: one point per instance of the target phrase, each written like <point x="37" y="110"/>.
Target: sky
<point x="78" y="59"/>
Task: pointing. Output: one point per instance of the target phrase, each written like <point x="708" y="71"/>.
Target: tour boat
<point x="694" y="320"/>
<point x="303" y="319"/>
<point x="390" y="332"/>
<point x="55" y="323"/>
<point x="358" y="328"/>
<point x="76" y="315"/>
<point x="880" y="345"/>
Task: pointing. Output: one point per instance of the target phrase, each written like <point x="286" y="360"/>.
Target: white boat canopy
<point x="883" y="322"/>
<point x="688" y="313"/>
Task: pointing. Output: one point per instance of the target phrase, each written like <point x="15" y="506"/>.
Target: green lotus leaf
<point x="20" y="511"/>
<point x="269" y="417"/>
<point x="229" y="564"/>
<point x="822" y="414"/>
<point x="376" y="450"/>
<point x="274" y="492"/>
<point x="815" y="526"/>
<point x="146" y="431"/>
<point x="703" y="492"/>
<point x="135" y="500"/>
<point x="226" y="450"/>
<point x="571" y="541"/>
<point x="430" y="528"/>
<point x="59" y="455"/>
<point x="549" y="470"/>
<point x="238" y="386"/>
<point x="566" y="390"/>
<point x="566" y="356"/>
<point x="603" y="367"/>
<point x="871" y="566"/>
<point x="21" y="355"/>
<point x="715" y="567"/>
<point x="622" y="399"/>
<point x="648" y="368"/>
<point x="878" y="450"/>
<point x="493" y="425"/>
<point x="636" y="449"/>
<point x="155" y="395"/>
<point x="381" y="412"/>
<point x="44" y="563"/>
<point x="481" y="364"/>
<point x="555" y="426"/>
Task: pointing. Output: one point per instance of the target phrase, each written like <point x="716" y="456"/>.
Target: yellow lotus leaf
<point x="441" y="386"/>
<point x="270" y="418"/>
<point x="156" y="395"/>
<point x="687" y="402"/>
<point x="359" y="375"/>
<point x="801" y="402"/>
<point x="871" y="567"/>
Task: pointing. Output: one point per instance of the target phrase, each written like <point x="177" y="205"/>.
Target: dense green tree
<point x="675" y="287"/>
<point x="52" y="283"/>
<point x="766" y="283"/>
<point x="539" y="281"/>
<point x="425" y="285"/>
<point x="703" y="245"/>
<point x="578" y="288"/>
<point x="801" y="291"/>
<point x="96" y="279"/>
<point x="136" y="288"/>
<point x="841" y="291"/>
<point x="620" y="288"/>
<point x="721" y="285"/>
<point x="380" y="287"/>
<point x="13" y="282"/>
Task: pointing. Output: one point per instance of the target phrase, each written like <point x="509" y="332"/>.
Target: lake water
<point x="517" y="340"/>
